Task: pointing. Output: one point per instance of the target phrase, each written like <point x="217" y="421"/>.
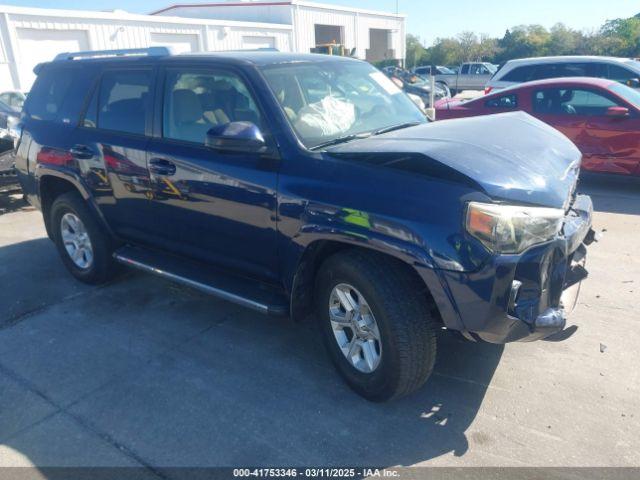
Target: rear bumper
<point x="529" y="296"/>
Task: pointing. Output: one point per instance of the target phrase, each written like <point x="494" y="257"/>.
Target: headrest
<point x="186" y="106"/>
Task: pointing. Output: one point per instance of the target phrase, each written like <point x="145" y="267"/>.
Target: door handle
<point x="162" y="167"/>
<point x="82" y="152"/>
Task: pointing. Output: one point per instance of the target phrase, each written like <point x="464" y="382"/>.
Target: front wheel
<point x="377" y="324"/>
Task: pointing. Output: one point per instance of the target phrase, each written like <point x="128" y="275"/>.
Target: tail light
<point x="487" y="90"/>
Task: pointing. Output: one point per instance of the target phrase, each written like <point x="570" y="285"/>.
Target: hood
<point x="512" y="157"/>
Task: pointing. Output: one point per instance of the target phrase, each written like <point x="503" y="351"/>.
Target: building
<point x="375" y="36"/>
<point x="29" y="36"/>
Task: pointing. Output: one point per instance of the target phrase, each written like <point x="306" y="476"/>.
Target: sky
<point x="447" y="18"/>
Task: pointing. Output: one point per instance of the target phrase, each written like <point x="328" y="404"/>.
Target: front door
<point x="608" y="144"/>
<point x="212" y="206"/>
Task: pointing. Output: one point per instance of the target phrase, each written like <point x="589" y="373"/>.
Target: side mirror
<point x="617" y="112"/>
<point x="633" y="82"/>
<point x="237" y="137"/>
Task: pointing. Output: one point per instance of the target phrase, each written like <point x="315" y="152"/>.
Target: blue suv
<point x="308" y="184"/>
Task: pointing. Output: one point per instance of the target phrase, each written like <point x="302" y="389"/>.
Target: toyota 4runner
<point x="297" y="184"/>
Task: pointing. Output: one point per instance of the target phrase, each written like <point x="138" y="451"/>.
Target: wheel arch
<point x="317" y="251"/>
<point x="52" y="183"/>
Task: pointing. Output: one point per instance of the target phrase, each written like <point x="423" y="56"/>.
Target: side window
<point x="519" y="74"/>
<point x="47" y="97"/>
<point x="90" y="119"/>
<point x="195" y="101"/>
<point x="505" y="101"/>
<point x="620" y="74"/>
<point x="465" y="69"/>
<point x="544" y="71"/>
<point x="124" y="101"/>
<point x="555" y="101"/>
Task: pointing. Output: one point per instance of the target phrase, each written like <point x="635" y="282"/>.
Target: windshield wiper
<point x="396" y="127"/>
<point x="336" y="141"/>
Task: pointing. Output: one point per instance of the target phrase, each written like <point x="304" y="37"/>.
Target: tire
<point x="102" y="267"/>
<point x="403" y="318"/>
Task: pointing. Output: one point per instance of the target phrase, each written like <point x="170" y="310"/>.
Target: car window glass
<point x="505" y="101"/>
<point x="519" y="74"/>
<point x="621" y="74"/>
<point x="631" y="95"/>
<point x="326" y="101"/>
<point x="124" y="101"/>
<point x="465" y="70"/>
<point x="556" y="101"/>
<point x="47" y="98"/>
<point x="196" y="101"/>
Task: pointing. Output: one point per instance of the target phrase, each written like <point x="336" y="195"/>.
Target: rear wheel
<point x="377" y="324"/>
<point x="84" y="247"/>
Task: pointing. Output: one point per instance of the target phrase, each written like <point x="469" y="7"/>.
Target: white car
<point x="623" y="70"/>
<point x="13" y="98"/>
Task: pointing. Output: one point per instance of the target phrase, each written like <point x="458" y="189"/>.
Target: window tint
<point x="519" y="74"/>
<point x="621" y="74"/>
<point x="505" y="101"/>
<point x="49" y="93"/>
<point x="556" y="101"/>
<point x="196" y="101"/>
<point x="124" y="101"/>
<point x="465" y="70"/>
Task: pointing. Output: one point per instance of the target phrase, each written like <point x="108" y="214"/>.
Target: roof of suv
<point x="255" y="57"/>
<point x="568" y="58"/>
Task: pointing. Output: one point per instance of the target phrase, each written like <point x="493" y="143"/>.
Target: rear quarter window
<point x="58" y="94"/>
<point x="518" y="74"/>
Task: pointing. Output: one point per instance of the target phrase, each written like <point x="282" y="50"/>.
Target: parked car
<point x="425" y="71"/>
<point x="293" y="183"/>
<point x="471" y="76"/>
<point x="13" y="99"/>
<point x="9" y="117"/>
<point x="601" y="117"/>
<point x="417" y="86"/>
<point x="514" y="72"/>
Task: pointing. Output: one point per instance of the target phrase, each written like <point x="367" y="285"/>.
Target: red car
<point x="601" y="117"/>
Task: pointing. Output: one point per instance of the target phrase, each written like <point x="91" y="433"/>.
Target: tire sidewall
<point x="377" y="384"/>
<point x="96" y="273"/>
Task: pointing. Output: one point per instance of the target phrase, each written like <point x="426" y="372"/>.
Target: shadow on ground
<point x="11" y="200"/>
<point x="612" y="194"/>
<point x="145" y="372"/>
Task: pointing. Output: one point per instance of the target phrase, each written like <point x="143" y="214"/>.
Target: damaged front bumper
<point x="527" y="297"/>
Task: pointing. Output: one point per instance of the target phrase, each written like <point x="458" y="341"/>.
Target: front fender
<point x="359" y="229"/>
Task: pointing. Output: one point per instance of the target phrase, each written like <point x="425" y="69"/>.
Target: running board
<point x="254" y="295"/>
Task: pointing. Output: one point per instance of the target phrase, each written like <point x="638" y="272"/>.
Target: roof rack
<point x="126" y="52"/>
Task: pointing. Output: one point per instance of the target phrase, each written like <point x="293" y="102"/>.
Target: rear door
<point x="110" y="145"/>
<point x="212" y="206"/>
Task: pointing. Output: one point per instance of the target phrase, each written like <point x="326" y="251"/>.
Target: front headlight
<point x="511" y="228"/>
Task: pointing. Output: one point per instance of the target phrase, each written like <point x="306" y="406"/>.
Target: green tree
<point x="415" y="51"/>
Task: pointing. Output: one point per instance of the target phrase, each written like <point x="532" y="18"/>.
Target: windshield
<point x="635" y="64"/>
<point x="629" y="94"/>
<point x="331" y="100"/>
